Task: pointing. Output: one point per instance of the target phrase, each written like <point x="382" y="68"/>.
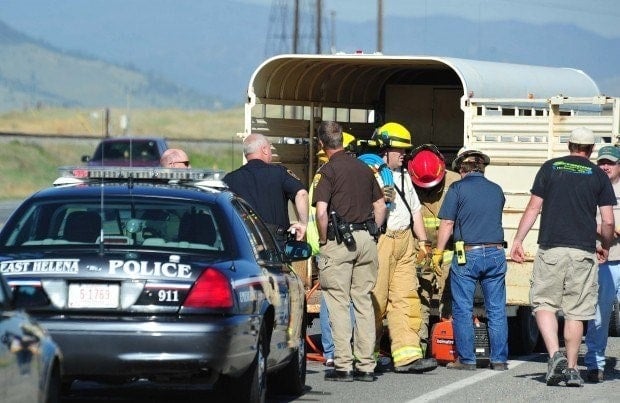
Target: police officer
<point x="427" y="168"/>
<point x="268" y="188"/>
<point x="395" y="295"/>
<point x="349" y="202"/>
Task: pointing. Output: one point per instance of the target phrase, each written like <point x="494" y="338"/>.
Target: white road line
<point x="480" y="376"/>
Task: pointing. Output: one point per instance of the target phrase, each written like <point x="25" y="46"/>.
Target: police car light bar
<point x="71" y="175"/>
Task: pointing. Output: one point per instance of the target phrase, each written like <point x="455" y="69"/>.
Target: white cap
<point x="581" y="135"/>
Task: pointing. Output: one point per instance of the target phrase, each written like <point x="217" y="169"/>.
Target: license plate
<point x="82" y="295"/>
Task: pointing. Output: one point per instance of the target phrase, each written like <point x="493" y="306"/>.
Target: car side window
<point x="264" y="245"/>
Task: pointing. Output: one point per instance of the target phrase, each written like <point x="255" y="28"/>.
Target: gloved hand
<point x="389" y="193"/>
<point x="424" y="252"/>
<point x="437" y="260"/>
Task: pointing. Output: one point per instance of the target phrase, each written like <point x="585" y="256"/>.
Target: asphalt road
<point x="523" y="382"/>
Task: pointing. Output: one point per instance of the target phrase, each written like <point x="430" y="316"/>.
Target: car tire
<point x="251" y="387"/>
<point x="291" y="380"/>
<point x="54" y="386"/>
<point x="523" y="333"/>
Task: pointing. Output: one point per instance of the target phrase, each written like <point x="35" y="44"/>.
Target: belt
<point x="485" y="245"/>
<point x="358" y="226"/>
<point x="397" y="233"/>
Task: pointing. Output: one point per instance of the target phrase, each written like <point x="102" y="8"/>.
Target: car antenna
<point x="101" y="207"/>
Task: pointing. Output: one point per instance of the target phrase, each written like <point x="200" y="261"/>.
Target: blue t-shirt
<point x="571" y="188"/>
<point x="475" y="205"/>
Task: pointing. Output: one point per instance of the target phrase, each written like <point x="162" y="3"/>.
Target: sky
<point x="599" y="16"/>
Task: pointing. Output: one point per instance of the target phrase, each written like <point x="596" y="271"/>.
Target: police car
<point x="159" y="274"/>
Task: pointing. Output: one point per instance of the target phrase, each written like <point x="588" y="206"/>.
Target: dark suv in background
<point x="128" y="151"/>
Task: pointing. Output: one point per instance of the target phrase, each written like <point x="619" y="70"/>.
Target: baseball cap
<point x="581" y="135"/>
<point x="610" y="153"/>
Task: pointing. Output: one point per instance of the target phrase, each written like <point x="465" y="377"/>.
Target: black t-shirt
<point x="267" y="188"/>
<point x="572" y="188"/>
<point x="349" y="188"/>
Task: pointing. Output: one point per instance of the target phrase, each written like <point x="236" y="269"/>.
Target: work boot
<point x="499" y="366"/>
<point x="459" y="365"/>
<point x="572" y="378"/>
<point x="418" y="366"/>
<point x="556" y="367"/>
<point x="364" y="376"/>
<point x="339" y="376"/>
<point x="595" y="375"/>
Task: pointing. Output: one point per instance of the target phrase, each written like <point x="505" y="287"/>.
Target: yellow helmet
<point x="393" y="135"/>
<point x="348" y="141"/>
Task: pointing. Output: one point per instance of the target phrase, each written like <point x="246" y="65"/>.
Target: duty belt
<point x="358" y="226"/>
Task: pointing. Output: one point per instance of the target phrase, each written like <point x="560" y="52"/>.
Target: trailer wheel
<point x="523" y="332"/>
<point x="614" y="322"/>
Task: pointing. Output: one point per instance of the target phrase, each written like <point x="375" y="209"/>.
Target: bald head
<point x="174" y="158"/>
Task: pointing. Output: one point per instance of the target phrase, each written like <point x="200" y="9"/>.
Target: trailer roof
<point x="359" y="79"/>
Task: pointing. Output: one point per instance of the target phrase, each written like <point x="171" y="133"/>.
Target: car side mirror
<point x="297" y="250"/>
<point x="85" y="158"/>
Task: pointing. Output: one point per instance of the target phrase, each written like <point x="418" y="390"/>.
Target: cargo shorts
<point x="565" y="279"/>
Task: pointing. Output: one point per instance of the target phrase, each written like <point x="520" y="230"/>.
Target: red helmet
<point x="427" y="167"/>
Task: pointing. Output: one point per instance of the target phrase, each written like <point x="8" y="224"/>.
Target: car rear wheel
<point x="523" y="334"/>
<point x="252" y="385"/>
<point x="291" y="380"/>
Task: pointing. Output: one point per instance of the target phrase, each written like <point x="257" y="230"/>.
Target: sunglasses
<point x="186" y="163"/>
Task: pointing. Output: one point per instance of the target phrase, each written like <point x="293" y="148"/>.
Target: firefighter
<point x="427" y="168"/>
<point x="395" y="295"/>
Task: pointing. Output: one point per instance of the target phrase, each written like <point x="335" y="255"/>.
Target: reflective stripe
<point x="431" y="222"/>
<point x="406" y="354"/>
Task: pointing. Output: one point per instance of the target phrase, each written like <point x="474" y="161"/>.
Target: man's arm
<point x="607" y="226"/>
<point x="380" y="211"/>
<point x="528" y="219"/>
<point x="443" y="233"/>
<point x="418" y="225"/>
<point x="321" y="221"/>
<point x="302" y="207"/>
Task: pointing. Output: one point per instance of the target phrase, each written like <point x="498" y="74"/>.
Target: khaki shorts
<point x="565" y="279"/>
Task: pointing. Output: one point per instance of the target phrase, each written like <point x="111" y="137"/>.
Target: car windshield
<point x="158" y="224"/>
<point x="126" y="149"/>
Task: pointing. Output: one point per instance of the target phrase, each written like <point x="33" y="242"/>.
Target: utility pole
<point x="380" y="26"/>
<point x="332" y="37"/>
<point x="296" y="27"/>
<point x="319" y="18"/>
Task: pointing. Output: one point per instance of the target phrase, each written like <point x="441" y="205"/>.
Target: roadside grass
<point x="169" y="123"/>
<point x="31" y="163"/>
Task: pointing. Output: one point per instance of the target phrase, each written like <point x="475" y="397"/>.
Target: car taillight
<point x="211" y="290"/>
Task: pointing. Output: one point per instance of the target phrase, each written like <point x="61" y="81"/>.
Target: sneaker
<point x="555" y="369"/>
<point x="572" y="378"/>
<point x="459" y="365"/>
<point x="329" y="362"/>
<point x="595" y="375"/>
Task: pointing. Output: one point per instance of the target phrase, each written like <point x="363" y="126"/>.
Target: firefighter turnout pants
<point x="395" y="296"/>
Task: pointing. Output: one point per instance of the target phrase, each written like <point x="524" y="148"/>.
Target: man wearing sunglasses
<point x="608" y="276"/>
<point x="174" y="158"/>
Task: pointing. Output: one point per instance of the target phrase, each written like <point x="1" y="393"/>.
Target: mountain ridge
<point x="208" y="50"/>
